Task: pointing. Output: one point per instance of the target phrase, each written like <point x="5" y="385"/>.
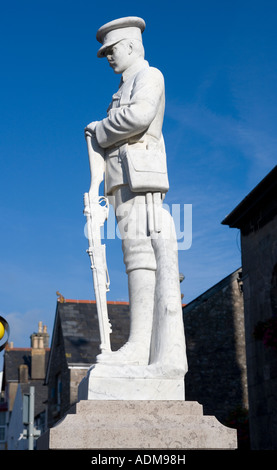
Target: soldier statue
<point x="136" y="182"/>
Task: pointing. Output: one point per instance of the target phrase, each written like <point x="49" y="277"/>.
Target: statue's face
<point x="120" y="56"/>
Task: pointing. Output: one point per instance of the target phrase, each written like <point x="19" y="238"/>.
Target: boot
<point x="141" y="284"/>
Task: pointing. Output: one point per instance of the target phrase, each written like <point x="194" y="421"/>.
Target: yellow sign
<point x="2" y="330"/>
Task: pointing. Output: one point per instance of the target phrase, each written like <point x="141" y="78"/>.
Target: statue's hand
<point x="91" y="128"/>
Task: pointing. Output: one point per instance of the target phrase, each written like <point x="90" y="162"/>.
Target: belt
<point x="113" y="150"/>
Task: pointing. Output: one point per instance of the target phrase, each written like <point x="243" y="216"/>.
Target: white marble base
<point x="138" y="425"/>
<point x="104" y="382"/>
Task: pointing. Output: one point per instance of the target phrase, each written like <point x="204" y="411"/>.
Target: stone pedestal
<point x="104" y="382"/>
<point x="138" y="424"/>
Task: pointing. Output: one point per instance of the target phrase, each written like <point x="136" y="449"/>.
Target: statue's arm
<point x="134" y="118"/>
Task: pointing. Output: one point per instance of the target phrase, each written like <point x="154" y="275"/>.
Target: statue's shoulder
<point x="150" y="73"/>
<point x="156" y="73"/>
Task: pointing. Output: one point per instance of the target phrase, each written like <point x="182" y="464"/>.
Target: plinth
<point x="138" y="424"/>
<point x="104" y="382"/>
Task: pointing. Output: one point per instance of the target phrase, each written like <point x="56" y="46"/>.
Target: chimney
<point x="23" y="373"/>
<point x="45" y="336"/>
<point x="39" y="341"/>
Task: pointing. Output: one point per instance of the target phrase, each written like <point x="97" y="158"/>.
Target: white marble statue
<point x="136" y="181"/>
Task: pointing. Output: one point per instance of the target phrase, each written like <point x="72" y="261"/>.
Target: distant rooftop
<point x="258" y="207"/>
<point x="77" y="322"/>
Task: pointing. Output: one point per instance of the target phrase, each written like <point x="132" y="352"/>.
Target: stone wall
<point x="214" y="328"/>
<point x="76" y="375"/>
<point x="259" y="261"/>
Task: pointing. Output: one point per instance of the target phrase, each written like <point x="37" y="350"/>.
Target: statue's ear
<point x="130" y="47"/>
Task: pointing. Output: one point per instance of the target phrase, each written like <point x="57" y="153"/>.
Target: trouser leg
<point x="139" y="259"/>
<point x="168" y="347"/>
<point x="141" y="283"/>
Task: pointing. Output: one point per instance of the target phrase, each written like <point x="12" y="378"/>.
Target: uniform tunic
<point x="134" y="117"/>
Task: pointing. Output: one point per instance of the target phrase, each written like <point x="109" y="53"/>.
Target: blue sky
<point x="219" y="63"/>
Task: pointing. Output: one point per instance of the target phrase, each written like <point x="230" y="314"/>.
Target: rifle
<point x="96" y="209"/>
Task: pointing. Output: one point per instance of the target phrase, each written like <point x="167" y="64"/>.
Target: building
<point x="74" y="347"/>
<point x="24" y="367"/>
<point x="3" y="416"/>
<point x="256" y="218"/>
<point x="215" y="339"/>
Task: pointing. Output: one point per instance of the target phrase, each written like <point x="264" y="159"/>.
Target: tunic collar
<point x="136" y="67"/>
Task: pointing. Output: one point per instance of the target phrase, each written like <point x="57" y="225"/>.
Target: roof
<point x="80" y="329"/>
<point x="259" y="206"/>
<point x="210" y="292"/>
<point x="14" y="357"/>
